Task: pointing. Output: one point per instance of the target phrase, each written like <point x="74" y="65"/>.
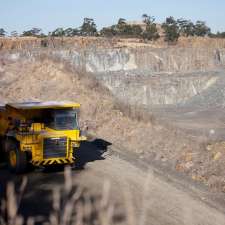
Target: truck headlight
<point x="75" y="144"/>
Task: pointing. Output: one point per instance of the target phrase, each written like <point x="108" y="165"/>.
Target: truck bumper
<point x="47" y="162"/>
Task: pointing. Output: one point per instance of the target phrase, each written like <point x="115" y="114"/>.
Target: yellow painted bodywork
<point x="34" y="143"/>
<point x="32" y="140"/>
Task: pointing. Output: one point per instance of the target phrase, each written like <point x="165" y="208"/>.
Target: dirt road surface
<point x="151" y="199"/>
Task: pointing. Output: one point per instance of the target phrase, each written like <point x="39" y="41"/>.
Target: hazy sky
<point x="49" y="14"/>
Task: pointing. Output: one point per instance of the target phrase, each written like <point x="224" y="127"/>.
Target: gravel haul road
<point x="151" y="199"/>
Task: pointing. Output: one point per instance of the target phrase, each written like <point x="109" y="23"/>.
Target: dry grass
<point x="100" y="42"/>
<point x="74" y="206"/>
<point x="13" y="43"/>
<point x="9" y="206"/>
<point x="69" y="206"/>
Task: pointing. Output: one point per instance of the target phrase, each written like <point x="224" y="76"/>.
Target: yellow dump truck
<point x="39" y="133"/>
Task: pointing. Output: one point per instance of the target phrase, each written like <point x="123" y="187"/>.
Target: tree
<point x="222" y="35"/>
<point x="76" y="31"/>
<point x="42" y="35"/>
<point x="35" y="32"/>
<point x="136" y="30"/>
<point x="108" y="31"/>
<point x="122" y="28"/>
<point x="151" y="31"/>
<point x="186" y="27"/>
<point x="70" y="32"/>
<point x="201" y="30"/>
<point x="121" y="21"/>
<point x="59" y="32"/>
<point x="14" y="33"/>
<point x="88" y="27"/>
<point x="171" y="30"/>
<point x="2" y="32"/>
<point x="27" y="33"/>
<point x="217" y="35"/>
<point x="148" y="19"/>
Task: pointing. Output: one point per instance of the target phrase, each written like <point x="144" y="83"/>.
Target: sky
<point x="22" y="15"/>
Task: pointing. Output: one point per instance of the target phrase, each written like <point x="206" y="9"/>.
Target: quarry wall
<point x="142" y="76"/>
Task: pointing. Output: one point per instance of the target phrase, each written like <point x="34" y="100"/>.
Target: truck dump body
<point x="44" y="105"/>
<point x="47" y="132"/>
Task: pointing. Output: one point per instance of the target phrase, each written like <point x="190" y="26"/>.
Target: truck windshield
<point x="64" y="120"/>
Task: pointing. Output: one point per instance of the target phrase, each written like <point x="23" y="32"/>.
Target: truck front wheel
<point x="17" y="160"/>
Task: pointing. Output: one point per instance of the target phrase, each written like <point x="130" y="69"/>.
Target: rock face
<point x="150" y="59"/>
<point x="157" y="90"/>
<point x="151" y="77"/>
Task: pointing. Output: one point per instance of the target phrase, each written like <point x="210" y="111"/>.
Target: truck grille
<point x="55" y="147"/>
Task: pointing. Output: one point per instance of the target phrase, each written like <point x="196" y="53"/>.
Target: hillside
<point x="123" y="125"/>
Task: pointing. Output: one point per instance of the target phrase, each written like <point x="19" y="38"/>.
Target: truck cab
<point x="39" y="133"/>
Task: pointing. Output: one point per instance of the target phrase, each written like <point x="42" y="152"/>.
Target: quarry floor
<point x="206" y="124"/>
<point x="140" y="193"/>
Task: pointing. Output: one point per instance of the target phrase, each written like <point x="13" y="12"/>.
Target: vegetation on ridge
<point x="147" y="29"/>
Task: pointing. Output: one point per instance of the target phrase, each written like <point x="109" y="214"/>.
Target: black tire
<point x="16" y="159"/>
<point x="2" y="152"/>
